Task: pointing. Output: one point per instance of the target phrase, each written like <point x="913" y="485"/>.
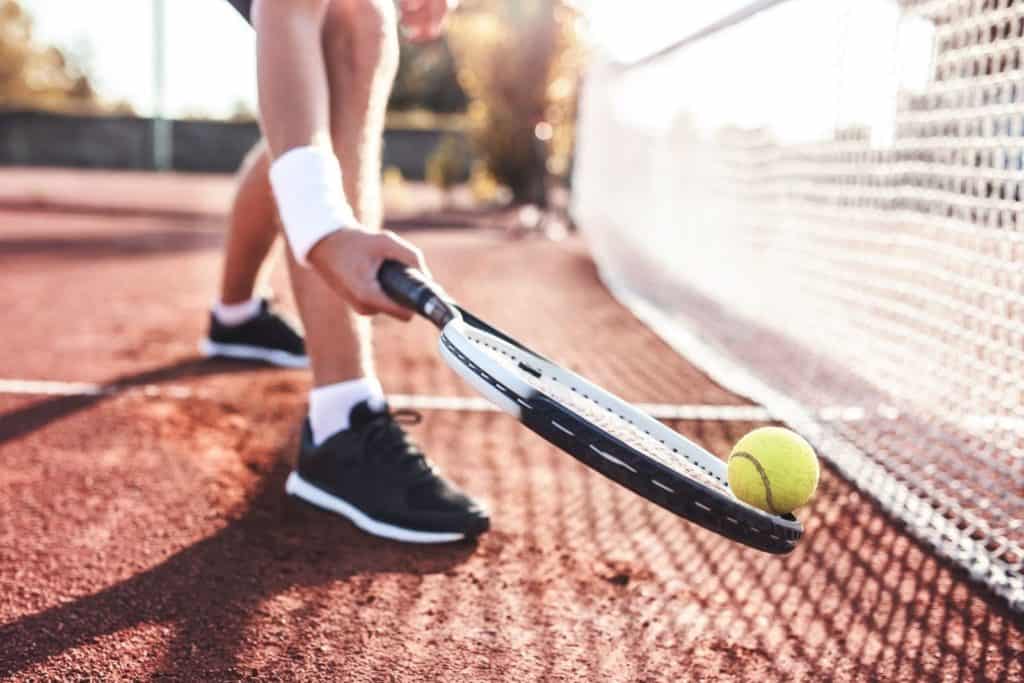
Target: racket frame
<point x="548" y="417"/>
<point x="462" y="333"/>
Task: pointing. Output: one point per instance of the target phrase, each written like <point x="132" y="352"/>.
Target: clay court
<point x="146" y="535"/>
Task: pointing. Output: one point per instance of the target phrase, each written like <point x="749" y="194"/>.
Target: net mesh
<point x="580" y="400"/>
<point x="821" y="205"/>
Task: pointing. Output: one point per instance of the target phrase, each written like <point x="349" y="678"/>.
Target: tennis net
<point x="819" y="202"/>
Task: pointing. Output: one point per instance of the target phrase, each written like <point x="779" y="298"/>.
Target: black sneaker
<point x="374" y="475"/>
<point x="267" y="337"/>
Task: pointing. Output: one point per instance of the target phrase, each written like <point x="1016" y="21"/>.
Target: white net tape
<point x="827" y="197"/>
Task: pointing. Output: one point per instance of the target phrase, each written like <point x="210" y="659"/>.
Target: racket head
<point x="608" y="435"/>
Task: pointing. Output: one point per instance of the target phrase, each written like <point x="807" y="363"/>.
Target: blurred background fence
<point x="40" y="138"/>
<point x="171" y="86"/>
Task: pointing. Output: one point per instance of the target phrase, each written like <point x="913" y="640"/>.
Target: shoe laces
<point x="384" y="437"/>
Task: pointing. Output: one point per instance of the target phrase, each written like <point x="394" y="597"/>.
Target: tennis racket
<point x="598" y="429"/>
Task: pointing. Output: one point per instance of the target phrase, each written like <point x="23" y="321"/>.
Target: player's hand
<point x="423" y="20"/>
<point x="349" y="260"/>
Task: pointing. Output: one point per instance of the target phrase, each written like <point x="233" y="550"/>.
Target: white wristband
<point x="310" y="197"/>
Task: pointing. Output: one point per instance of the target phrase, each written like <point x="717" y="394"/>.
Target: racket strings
<point x="605" y="418"/>
<point x="625" y="430"/>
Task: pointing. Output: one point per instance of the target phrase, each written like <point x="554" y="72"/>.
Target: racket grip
<point x="409" y="288"/>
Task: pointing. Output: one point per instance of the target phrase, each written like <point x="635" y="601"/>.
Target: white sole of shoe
<point x="212" y="349"/>
<point x="300" y="488"/>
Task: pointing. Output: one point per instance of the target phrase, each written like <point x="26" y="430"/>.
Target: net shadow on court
<point x="578" y="579"/>
<point x="857" y="600"/>
<point x="591" y="578"/>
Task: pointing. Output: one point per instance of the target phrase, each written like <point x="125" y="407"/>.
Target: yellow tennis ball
<point x="773" y="469"/>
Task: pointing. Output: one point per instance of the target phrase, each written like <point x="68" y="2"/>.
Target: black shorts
<point x="244" y="7"/>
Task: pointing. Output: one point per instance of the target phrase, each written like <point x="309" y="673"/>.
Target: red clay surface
<point x="145" y="534"/>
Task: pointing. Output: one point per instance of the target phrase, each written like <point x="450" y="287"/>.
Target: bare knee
<point x="362" y="34"/>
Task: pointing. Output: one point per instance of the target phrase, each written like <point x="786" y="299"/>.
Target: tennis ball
<point x="773" y="469"/>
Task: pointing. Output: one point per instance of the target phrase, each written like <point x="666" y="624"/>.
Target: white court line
<point x="664" y="411"/>
<point x="43" y="388"/>
<point x="473" y="404"/>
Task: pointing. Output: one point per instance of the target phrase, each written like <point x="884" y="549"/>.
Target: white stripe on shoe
<point x="300" y="488"/>
<point x="212" y="349"/>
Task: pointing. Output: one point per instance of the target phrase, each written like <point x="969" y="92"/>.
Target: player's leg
<point x="387" y="488"/>
<point x="242" y="325"/>
<point x="252" y="228"/>
<point x="361" y="54"/>
<point x="338" y="348"/>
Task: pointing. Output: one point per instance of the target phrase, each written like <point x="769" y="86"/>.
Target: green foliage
<point x="449" y="163"/>
<point x="519" y="61"/>
<point x="426" y="80"/>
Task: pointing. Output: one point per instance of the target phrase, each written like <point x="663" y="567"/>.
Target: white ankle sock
<point x="236" y="314"/>
<point x="329" y="406"/>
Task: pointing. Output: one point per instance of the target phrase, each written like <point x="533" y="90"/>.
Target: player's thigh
<point x="250" y="9"/>
<point x="361" y="52"/>
<point x="362" y="37"/>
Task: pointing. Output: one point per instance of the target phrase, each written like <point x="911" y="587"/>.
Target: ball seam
<point x="763" y="475"/>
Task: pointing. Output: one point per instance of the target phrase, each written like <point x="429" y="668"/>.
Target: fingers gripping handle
<point x="410" y="288"/>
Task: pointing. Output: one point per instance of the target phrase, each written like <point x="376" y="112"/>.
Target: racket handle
<point x="410" y="288"/>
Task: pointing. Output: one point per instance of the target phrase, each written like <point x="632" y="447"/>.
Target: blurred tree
<point x="519" y="61"/>
<point x="448" y="165"/>
<point x="243" y="112"/>
<point x="426" y="80"/>
<point x="34" y="76"/>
